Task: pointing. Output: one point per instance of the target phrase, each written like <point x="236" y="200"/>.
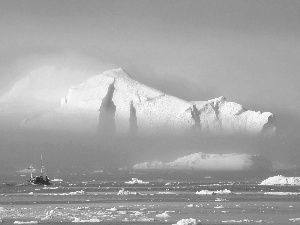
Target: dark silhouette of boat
<point x="39" y="180"/>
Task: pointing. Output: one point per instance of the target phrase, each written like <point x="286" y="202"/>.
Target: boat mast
<point x="31" y="168"/>
<point x="42" y="167"/>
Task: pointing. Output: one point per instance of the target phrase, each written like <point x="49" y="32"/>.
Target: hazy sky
<point x="247" y="51"/>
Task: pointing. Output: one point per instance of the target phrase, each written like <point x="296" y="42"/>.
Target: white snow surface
<point x="155" y="112"/>
<point x="203" y="161"/>
<point x="281" y="180"/>
<point x="190" y="221"/>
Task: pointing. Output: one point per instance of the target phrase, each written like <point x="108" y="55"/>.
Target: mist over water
<point x="102" y="149"/>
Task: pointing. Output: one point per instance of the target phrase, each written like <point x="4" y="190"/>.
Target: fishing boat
<point x="39" y="180"/>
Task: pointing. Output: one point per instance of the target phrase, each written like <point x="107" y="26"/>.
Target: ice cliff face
<point x="212" y="162"/>
<point x="114" y="103"/>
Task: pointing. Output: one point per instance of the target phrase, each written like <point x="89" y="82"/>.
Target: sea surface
<point x="162" y="197"/>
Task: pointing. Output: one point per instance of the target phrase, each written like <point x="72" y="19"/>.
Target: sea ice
<point x="190" y="221"/>
<point x="25" y="222"/>
<point x="123" y="192"/>
<point x="281" y="180"/>
<point x="57" y="180"/>
<point x="136" y="181"/>
<point x="78" y="220"/>
<point x="219" y="192"/>
<point x="163" y="215"/>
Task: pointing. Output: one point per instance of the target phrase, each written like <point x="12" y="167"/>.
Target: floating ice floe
<point x="204" y="161"/>
<point x="25" y="222"/>
<point x="219" y="192"/>
<point x="50" y="187"/>
<point x="281" y="180"/>
<point x="49" y="215"/>
<point x="123" y="192"/>
<point x="136" y="181"/>
<point x="242" y="221"/>
<point x="78" y="220"/>
<point x="163" y="215"/>
<point x="81" y="192"/>
<point x="282" y="193"/>
<point x="221" y="200"/>
<point x="295" y="219"/>
<point x="190" y="221"/>
<point x="56" y="180"/>
<point x="112" y="209"/>
<point x="166" y="193"/>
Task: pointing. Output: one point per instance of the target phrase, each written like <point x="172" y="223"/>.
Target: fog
<point x="196" y="50"/>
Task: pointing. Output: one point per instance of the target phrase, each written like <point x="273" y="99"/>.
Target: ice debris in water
<point x="136" y="181"/>
<point x="204" y="161"/>
<point x="112" y="209"/>
<point x="56" y="180"/>
<point x="78" y="220"/>
<point x="25" y="222"/>
<point x="281" y="180"/>
<point x="163" y="215"/>
<point x="207" y="192"/>
<point x="190" y="221"/>
<point x="123" y="192"/>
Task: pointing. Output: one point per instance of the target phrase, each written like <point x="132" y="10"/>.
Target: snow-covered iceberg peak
<point x="114" y="101"/>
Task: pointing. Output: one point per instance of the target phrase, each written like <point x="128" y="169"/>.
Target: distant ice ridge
<point x="281" y="180"/>
<point x="113" y="102"/>
<point x="203" y="161"/>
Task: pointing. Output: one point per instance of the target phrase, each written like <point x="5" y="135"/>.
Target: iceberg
<point x="115" y="103"/>
<point x="203" y="161"/>
<point x="281" y="180"/>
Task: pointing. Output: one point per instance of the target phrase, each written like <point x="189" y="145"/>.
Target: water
<point x="92" y="196"/>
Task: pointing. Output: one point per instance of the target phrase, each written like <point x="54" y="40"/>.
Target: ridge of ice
<point x="203" y="161"/>
<point x="140" y="109"/>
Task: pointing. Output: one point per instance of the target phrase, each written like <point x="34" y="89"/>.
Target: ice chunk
<point x="281" y="180"/>
<point x="163" y="215"/>
<point x="136" y="181"/>
<point x="25" y="222"/>
<point x="190" y="221"/>
<point x="123" y="192"/>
